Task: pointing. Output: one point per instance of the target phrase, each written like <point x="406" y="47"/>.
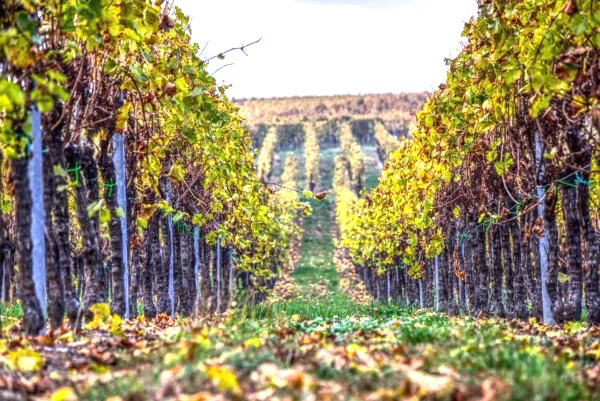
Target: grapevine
<point x="353" y="155"/>
<point x="129" y="68"/>
<point x="265" y="157"/>
<point x="311" y="148"/>
<point x="499" y="157"/>
<point x="386" y="143"/>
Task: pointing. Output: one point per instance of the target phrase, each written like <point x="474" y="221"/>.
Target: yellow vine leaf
<point x="64" y="394"/>
<point x="26" y="360"/>
<point x="252" y="342"/>
<point x="100" y="310"/>
<point x="116" y="324"/>
<point x="223" y="378"/>
<point x="101" y="315"/>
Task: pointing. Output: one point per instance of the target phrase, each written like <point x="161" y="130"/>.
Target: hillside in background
<point x="388" y="107"/>
<point x="395" y="111"/>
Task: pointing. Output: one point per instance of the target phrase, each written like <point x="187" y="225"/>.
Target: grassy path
<point x="316" y="275"/>
<point x="318" y="281"/>
<point x="318" y="292"/>
<point x="373" y="167"/>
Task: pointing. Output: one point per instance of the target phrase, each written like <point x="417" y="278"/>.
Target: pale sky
<point x="329" y="47"/>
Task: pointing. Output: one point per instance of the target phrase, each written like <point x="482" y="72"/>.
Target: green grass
<point x="372" y="167"/>
<point x="11" y="311"/>
<point x="316" y="275"/>
<point x="371" y="181"/>
<point x="336" y="307"/>
<point x="326" y="167"/>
